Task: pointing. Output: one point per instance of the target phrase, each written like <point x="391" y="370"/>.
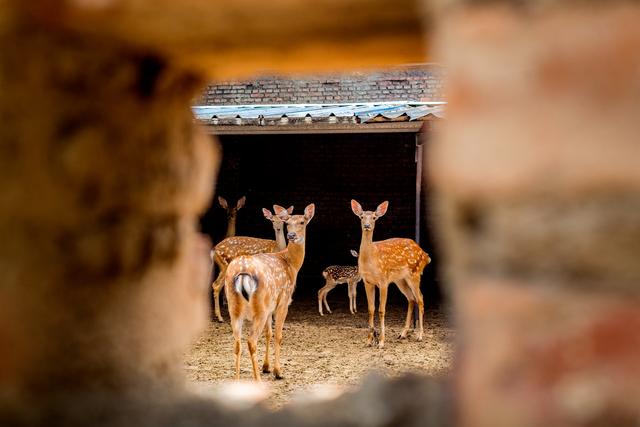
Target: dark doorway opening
<point x="328" y="170"/>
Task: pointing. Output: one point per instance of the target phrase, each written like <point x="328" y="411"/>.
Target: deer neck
<point x="295" y="255"/>
<point x="231" y="227"/>
<point x="280" y="240"/>
<point x="366" y="243"/>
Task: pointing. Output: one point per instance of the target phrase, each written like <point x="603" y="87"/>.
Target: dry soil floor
<point x="325" y="350"/>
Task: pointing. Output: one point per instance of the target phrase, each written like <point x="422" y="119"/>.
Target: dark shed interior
<point x="328" y="170"/>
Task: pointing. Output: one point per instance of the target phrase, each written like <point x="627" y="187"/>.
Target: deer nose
<point x="367" y="226"/>
<point x="291" y="236"/>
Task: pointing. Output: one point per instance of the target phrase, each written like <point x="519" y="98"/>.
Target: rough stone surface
<point x="101" y="185"/>
<point x="536" y="354"/>
<point x="538" y="190"/>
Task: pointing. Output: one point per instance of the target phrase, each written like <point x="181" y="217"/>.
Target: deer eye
<point x="301" y="222"/>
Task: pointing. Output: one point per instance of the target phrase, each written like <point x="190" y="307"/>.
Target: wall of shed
<point x="328" y="170"/>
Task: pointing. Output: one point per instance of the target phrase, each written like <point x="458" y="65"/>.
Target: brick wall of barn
<point x="407" y="83"/>
<point x="329" y="171"/>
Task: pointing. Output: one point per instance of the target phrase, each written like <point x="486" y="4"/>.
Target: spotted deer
<point x="335" y="275"/>
<point x="232" y="213"/>
<point x="233" y="247"/>
<point x="260" y="288"/>
<point x="399" y="261"/>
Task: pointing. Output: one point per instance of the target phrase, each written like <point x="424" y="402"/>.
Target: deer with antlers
<point x="261" y="286"/>
<point x="399" y="261"/>
<point x="335" y="275"/>
<point x="232" y="247"/>
<point x="232" y="213"/>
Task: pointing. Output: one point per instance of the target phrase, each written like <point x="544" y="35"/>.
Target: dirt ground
<point x="324" y="350"/>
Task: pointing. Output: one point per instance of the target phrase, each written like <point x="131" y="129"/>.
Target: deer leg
<point x="320" y="292"/>
<point x="267" y="337"/>
<point x="281" y="315"/>
<point x="355" y="299"/>
<point x="370" y="289"/>
<point x="414" y="283"/>
<point x="252" y="342"/>
<point x="326" y="304"/>
<point x="381" y="312"/>
<point x="329" y="286"/>
<point x="236" y="326"/>
<point x="322" y="295"/>
<point x="406" y="291"/>
<point x="217" y="286"/>
<point x="351" y="290"/>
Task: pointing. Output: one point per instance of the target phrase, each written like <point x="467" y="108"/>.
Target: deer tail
<point x="245" y="285"/>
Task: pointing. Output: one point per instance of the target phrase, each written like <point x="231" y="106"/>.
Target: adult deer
<point x="233" y="247"/>
<point x="335" y="275"/>
<point x="400" y="261"/>
<point x="261" y="286"/>
<point x="232" y="213"/>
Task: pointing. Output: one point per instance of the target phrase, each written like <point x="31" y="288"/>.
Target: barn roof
<point x="299" y="114"/>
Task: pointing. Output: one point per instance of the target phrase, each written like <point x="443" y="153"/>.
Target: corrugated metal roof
<point x="365" y="112"/>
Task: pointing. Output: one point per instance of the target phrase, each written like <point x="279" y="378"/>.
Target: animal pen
<point x="328" y="154"/>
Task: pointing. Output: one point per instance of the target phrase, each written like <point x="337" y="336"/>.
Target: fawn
<point x="335" y="275"/>
<point x="261" y="286"/>
<point x="233" y="247"/>
<point x="400" y="261"/>
<point x="232" y="213"/>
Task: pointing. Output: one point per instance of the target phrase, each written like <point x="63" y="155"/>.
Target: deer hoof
<point x="419" y="338"/>
<point x="220" y="320"/>
<point x="381" y="345"/>
<point x="266" y="369"/>
<point x="402" y="336"/>
<point x="278" y="375"/>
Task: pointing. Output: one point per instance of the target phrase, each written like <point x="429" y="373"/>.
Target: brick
<point x="351" y="87"/>
<point x="577" y="104"/>
<point x="539" y="355"/>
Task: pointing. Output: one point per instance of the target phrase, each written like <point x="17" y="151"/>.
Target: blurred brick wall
<point x="538" y="182"/>
<point x="406" y="83"/>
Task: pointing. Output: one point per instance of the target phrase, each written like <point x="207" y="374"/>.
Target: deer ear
<point x="281" y="212"/>
<point x="267" y="214"/>
<point x="290" y="210"/>
<point x="309" y="211"/>
<point x="223" y="202"/>
<point x="382" y="209"/>
<point x="356" y="208"/>
<point x="354" y="253"/>
<point x="241" y="202"/>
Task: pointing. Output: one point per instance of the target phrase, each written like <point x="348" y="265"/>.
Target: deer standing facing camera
<point x="399" y="261"/>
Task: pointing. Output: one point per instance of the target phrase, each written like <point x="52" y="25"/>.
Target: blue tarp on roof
<point x="365" y="112"/>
